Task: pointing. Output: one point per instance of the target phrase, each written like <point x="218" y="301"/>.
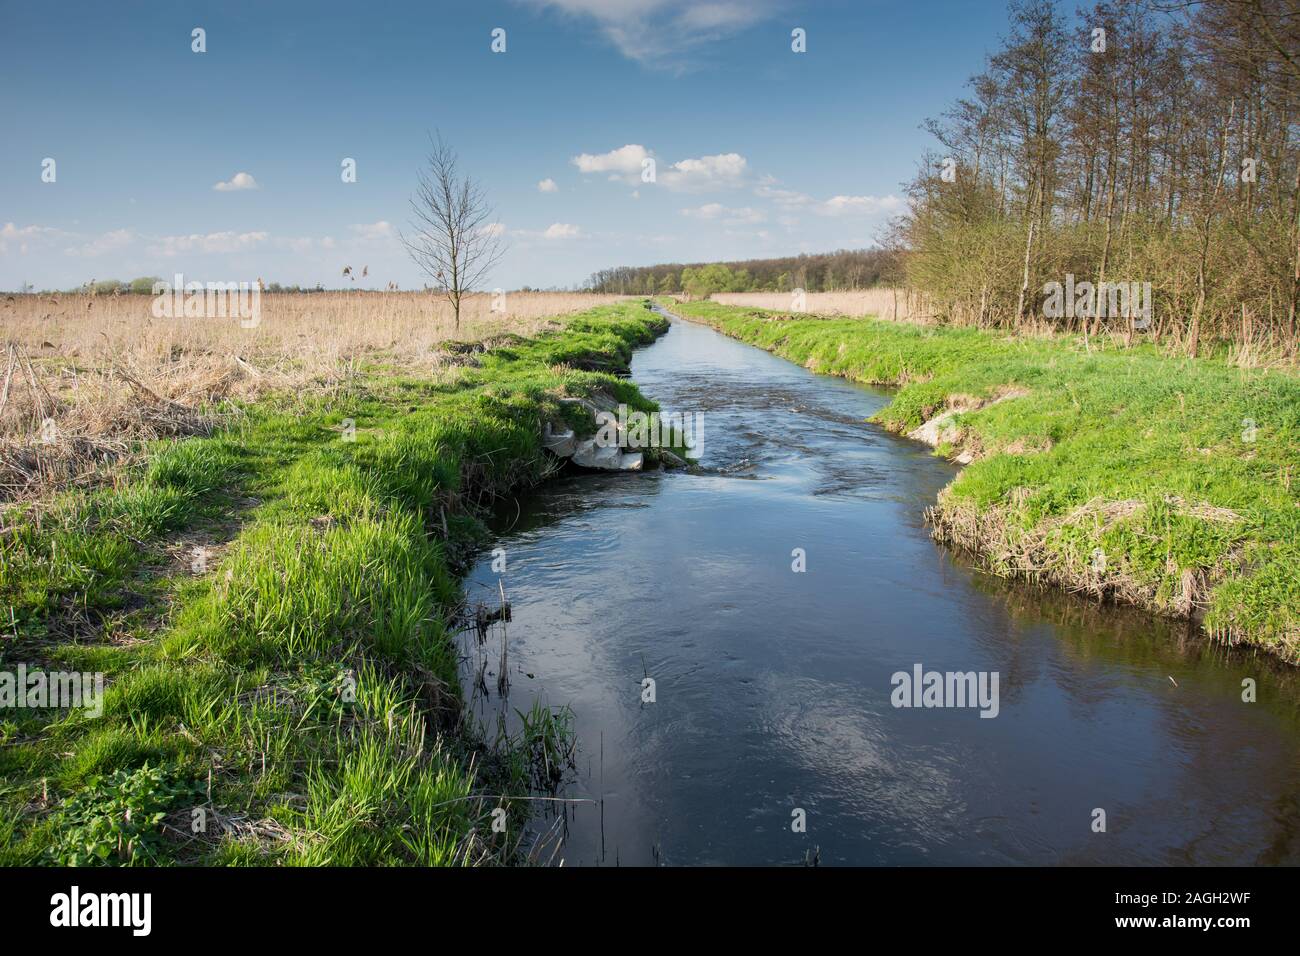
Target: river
<point x="772" y="737"/>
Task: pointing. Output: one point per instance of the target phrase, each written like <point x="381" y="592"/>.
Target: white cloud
<point x="56" y="258"/>
<point x="767" y="189"/>
<point x="27" y="236"/>
<point x="208" y="243"/>
<point x="858" y="205"/>
<point x="236" y="182"/>
<point x="708" y="211"/>
<point x="108" y="242"/>
<point x="10" y="231"/>
<point x="382" y="229"/>
<point x="547" y="186"/>
<point x="305" y="245"/>
<point x="788" y="200"/>
<point x="561" y="230"/>
<point x="721" y="16"/>
<point x="659" y="32"/>
<point x="713" y="210"/>
<point x="494" y="229"/>
<point x="706" y="172"/>
<point x="623" y="163"/>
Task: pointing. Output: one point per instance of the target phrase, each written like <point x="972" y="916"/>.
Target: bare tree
<point x="454" y="240"/>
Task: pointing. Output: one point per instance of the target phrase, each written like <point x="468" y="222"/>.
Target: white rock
<point x="562" y="444"/>
<point x="590" y="455"/>
<point x="937" y="430"/>
<point x="584" y="452"/>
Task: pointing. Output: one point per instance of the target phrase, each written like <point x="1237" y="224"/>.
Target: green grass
<point x="1150" y="460"/>
<point x="298" y="700"/>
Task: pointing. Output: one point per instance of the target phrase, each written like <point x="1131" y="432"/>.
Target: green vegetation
<point x="1123" y="144"/>
<point x="296" y="700"/>
<point x="1171" y="483"/>
<point x="143" y="285"/>
<point x="817" y="272"/>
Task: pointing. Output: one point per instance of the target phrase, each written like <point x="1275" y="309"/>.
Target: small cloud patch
<point x="236" y="182"/>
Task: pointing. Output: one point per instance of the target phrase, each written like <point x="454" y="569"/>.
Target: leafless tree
<point x="453" y="237"/>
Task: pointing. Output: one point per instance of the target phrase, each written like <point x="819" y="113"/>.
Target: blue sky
<point x="759" y="151"/>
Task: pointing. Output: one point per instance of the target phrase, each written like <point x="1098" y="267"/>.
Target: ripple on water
<point x="773" y="687"/>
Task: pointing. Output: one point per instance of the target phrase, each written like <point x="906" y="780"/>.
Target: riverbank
<point x="271" y="609"/>
<point x="1167" y="483"/>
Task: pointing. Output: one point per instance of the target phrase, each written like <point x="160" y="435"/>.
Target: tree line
<point x="825" y="272"/>
<point x="1142" y="141"/>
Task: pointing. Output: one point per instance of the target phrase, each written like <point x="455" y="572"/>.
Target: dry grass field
<point x="892" y="304"/>
<point x="84" y="377"/>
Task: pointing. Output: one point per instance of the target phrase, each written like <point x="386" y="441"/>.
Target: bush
<point x="144" y="285"/>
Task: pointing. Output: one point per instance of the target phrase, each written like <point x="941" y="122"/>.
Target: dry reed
<point x="85" y="378"/>
<point x="882" y="303"/>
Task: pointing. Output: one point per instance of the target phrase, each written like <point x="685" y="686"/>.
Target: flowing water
<point x="772" y="687"/>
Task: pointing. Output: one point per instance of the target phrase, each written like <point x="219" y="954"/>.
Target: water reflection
<point x="773" y="687"/>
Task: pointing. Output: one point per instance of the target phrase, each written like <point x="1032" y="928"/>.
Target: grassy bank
<point x="271" y="606"/>
<point x="1169" y="483"/>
